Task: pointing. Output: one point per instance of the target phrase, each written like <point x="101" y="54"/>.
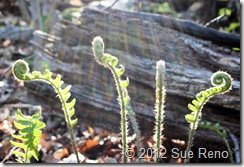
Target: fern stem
<point x="123" y="112"/>
<point x="189" y="144"/>
<point x="73" y="144"/>
<point x="228" y="148"/>
<point x="193" y="128"/>
<point x="158" y="141"/>
<point x="26" y="155"/>
<point x="192" y="133"/>
<point x="135" y="126"/>
<point x="72" y="138"/>
<point x="159" y="108"/>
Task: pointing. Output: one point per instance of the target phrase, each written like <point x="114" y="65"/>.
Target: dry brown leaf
<point x="89" y="145"/>
<point x="91" y="131"/>
<point x="61" y="153"/>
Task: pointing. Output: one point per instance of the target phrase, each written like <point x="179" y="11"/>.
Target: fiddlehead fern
<point x="110" y="62"/>
<point x="30" y="133"/>
<point x="159" y="108"/>
<point x="20" y="70"/>
<point x="221" y="133"/>
<point x="222" y="83"/>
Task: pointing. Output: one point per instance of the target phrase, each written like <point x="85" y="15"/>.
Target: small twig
<point x="111" y="5"/>
<point x="215" y="19"/>
<point x="236" y="145"/>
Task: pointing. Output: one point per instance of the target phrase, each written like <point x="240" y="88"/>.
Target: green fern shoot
<point x="159" y="109"/>
<point x="221" y="133"/>
<point x="21" y="72"/>
<point x="29" y="133"/>
<point x="222" y="83"/>
<point x="110" y="62"/>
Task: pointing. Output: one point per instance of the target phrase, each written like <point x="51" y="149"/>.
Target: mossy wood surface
<point x="138" y="44"/>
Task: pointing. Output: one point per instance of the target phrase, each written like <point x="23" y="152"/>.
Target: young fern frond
<point x="30" y="133"/>
<point x="159" y="109"/>
<point x="221" y="133"/>
<point x="21" y="72"/>
<point x="222" y="83"/>
<point x="110" y="62"/>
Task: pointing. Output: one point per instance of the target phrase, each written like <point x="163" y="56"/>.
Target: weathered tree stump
<point x="192" y="55"/>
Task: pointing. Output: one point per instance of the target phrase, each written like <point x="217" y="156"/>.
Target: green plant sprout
<point x="222" y="83"/>
<point x="110" y="62"/>
<point x="21" y="72"/>
<point x="30" y="133"/>
<point x="159" y="108"/>
<point x="222" y="134"/>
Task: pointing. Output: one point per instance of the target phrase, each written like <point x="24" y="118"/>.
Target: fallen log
<point x="139" y="44"/>
<point x="183" y="26"/>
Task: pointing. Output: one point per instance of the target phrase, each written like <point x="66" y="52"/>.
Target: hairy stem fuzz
<point x="159" y="109"/>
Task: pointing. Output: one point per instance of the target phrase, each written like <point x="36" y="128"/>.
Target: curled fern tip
<point x="98" y="47"/>
<point x="20" y="69"/>
<point x="222" y="83"/>
<point x="223" y="80"/>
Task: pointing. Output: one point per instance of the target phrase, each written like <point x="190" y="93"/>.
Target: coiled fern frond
<point x="110" y="62"/>
<point x="29" y="133"/>
<point x="21" y="72"/>
<point x="222" y="83"/>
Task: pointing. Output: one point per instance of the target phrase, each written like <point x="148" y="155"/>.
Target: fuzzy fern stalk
<point x="222" y="134"/>
<point x="222" y="83"/>
<point x="21" y="72"/>
<point x="159" y="109"/>
<point x="29" y="133"/>
<point x="135" y="126"/>
<point x="110" y="62"/>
